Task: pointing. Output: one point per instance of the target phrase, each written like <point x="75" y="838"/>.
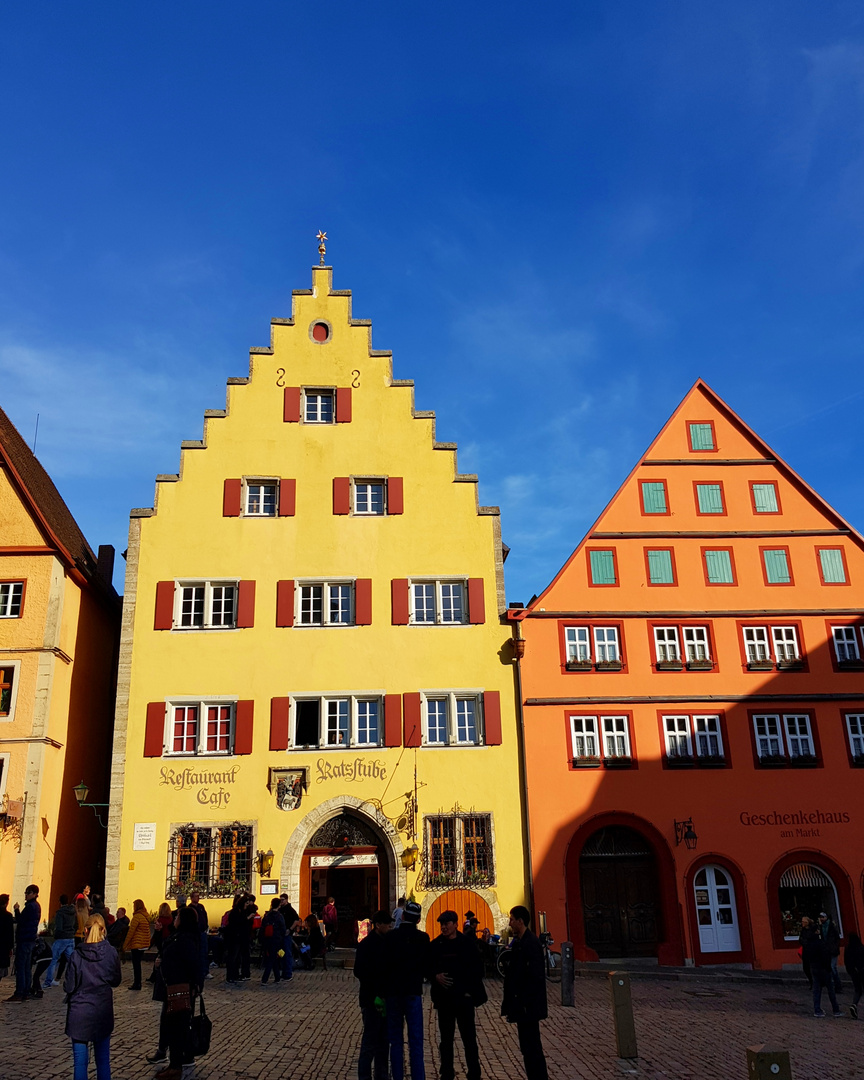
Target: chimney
<point x="105" y="562"/>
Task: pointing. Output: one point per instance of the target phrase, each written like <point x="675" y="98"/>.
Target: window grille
<point x="211" y="861"/>
<point x="458" y="851"/>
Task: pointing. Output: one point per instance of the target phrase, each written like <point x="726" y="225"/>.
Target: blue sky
<point x="557" y="216"/>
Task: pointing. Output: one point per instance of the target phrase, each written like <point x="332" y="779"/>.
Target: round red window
<point x="320" y="332"/>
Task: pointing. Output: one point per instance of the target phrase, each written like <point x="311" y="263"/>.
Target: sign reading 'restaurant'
<point x="210" y="784"/>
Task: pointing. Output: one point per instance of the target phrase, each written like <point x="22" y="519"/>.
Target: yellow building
<point x="312" y="661"/>
<point x="59" y="625"/>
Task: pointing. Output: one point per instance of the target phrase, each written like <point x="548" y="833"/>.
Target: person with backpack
<point x="65" y="924"/>
<point x="271" y="938"/>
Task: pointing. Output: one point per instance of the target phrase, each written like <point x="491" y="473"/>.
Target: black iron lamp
<point x="81" y="792"/>
<point x="686" y="834"/>
<point x="265" y="862"/>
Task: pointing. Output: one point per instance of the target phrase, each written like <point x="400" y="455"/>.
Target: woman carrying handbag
<point x="91" y="975"/>
<point x="176" y="986"/>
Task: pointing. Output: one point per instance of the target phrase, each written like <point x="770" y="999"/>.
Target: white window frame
<point x="781" y="639"/>
<point x="452" y="716"/>
<point x="11" y="586"/>
<point x="772" y="734"/>
<point x="354" y="700"/>
<point x="325" y="586"/>
<point x="792" y="731"/>
<point x="705" y="641"/>
<point x="202" y="704"/>
<point x="368" y="481"/>
<point x="854" y="723"/>
<point x="666" y="639"/>
<point x="208" y="587"/>
<point x="617" y="728"/>
<point x="678" y="737"/>
<point x="759" y="636"/>
<point x="13" y="696"/>
<point x="439" y="585"/>
<point x="852" y="640"/>
<point x="601" y="648"/>
<point x="584" y="737"/>
<point x="574" y="645"/>
<point x="260" y="482"/>
<point x="318" y="392"/>
<point x="711" y="729"/>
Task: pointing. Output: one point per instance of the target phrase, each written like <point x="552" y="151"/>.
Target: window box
<point x="804" y="761"/>
<point x="773" y="761"/>
<point x="478" y="880"/>
<point x="760" y="665"/>
<point x="608" y="665"/>
<point x="618" y="762"/>
<point x="711" y="761"/>
<point x="669" y="665"/>
<point x="790" y="665"/>
<point x="850" y="665"/>
<point x="677" y="761"/>
<point x="700" y="665"/>
<point x="579" y="665"/>
<point x="587" y="762"/>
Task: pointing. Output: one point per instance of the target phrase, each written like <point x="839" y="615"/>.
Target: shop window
<point x="458" y="851"/>
<point x="806" y="890"/>
<point x="213" y="860"/>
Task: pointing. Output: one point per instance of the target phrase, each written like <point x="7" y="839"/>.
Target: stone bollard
<point x="622" y="1010"/>
<point x="765" y="1063"/>
<point x="568" y="974"/>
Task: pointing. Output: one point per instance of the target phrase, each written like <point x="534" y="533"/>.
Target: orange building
<point x="694" y="709"/>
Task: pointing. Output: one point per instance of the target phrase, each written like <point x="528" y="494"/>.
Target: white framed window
<point x="200" y="727"/>
<point x="318" y="406"/>
<point x="592" y="644"/>
<point x="696" y="644"/>
<point x="11" y="595"/>
<point x="452" y="718"/>
<point x="578" y="641"/>
<point x="707" y="736"/>
<point x="666" y="646"/>
<point x="855" y="732"/>
<point x="769" y="741"/>
<point x="260" y="498"/>
<point x="789" y="735"/>
<point x="440" y="602"/>
<point x="337" y="721"/>
<point x="689" y="736"/>
<point x="9" y="671"/>
<point x="799" y="739"/>
<point x="616" y="736"/>
<point x="325" y="603"/>
<point x="845" y="643"/>
<point x="205" y="605"/>
<point x="785" y="641"/>
<point x="756" y="644"/>
<point x="606" y="648"/>
<point x="369" y="496"/>
<point x="585" y="740"/>
<point x="676" y="730"/>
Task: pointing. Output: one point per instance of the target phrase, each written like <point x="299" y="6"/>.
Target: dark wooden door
<point x="619" y="905"/>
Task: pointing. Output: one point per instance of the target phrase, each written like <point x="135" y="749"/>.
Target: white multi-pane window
<point x="606" y="648"/>
<point x="451" y="719"/>
<point x="756" y="643"/>
<point x="785" y="639"/>
<point x="441" y="602"/>
<point x="578" y="639"/>
<point x="326" y="603"/>
<point x="696" y="644"/>
<point x="855" y="731"/>
<point x="845" y="643"/>
<point x="337" y="722"/>
<point x="205" y="605"/>
<point x="201" y="727"/>
<point x="318" y="407"/>
<point x="707" y="736"/>
<point x="789" y="735"/>
<point x="600" y="644"/>
<point x="677" y="732"/>
<point x="583" y="733"/>
<point x="616" y="736"/>
<point x="369" y="497"/>
<point x="261" y="498"/>
<point x="11" y="594"/>
<point x="666" y="645"/>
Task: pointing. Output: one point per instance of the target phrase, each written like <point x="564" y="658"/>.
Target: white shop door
<point x="715" y="911"/>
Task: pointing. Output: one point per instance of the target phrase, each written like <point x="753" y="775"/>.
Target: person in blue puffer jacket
<point x="91" y="975"/>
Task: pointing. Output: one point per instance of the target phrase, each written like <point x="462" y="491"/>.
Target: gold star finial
<point x="322" y="250"/>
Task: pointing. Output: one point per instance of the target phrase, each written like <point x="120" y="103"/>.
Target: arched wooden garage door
<point x="460" y="901"/>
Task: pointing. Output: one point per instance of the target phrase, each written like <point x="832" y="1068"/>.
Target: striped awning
<point x="804" y="876"/>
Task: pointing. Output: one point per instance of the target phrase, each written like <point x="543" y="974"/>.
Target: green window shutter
<point x="702" y="437"/>
<point x="602" y="568"/>
<point x="653" y="497"/>
<point x="719" y="567"/>
<point x="833" y="571"/>
<point x="710" y="499"/>
<point x="765" y="498"/>
<point x="660" y="568"/>
<point x="777" y="567"/>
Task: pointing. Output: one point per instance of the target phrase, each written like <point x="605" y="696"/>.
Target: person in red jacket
<point x="330" y="918"/>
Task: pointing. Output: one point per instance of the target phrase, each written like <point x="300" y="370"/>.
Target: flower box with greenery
<point x="579" y="665"/>
<point x="587" y="762"/>
<point x="608" y="665"/>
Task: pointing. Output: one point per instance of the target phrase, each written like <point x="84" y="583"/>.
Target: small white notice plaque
<point x="144" y="838"/>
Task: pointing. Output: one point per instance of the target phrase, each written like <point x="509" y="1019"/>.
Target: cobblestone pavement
<point x="693" y="1029"/>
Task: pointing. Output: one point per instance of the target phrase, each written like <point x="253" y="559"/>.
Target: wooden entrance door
<point x="620" y="905"/>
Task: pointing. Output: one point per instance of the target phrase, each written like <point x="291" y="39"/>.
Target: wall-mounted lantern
<point x="684" y="832"/>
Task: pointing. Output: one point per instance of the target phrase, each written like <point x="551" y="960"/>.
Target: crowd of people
<point x="820" y="952"/>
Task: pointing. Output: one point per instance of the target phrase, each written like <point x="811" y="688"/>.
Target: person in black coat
<point x="524" y="1001"/>
<point x="271" y="937"/>
<point x="816" y="957"/>
<point x="92" y="973"/>
<point x="456" y="967"/>
<point x="7" y="935"/>
<point x="853" y="961"/>
<point x="370" y="967"/>
<point x="407" y="966"/>
<point x="179" y="967"/>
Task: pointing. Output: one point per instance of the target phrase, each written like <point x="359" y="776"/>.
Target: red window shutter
<point x="343" y="405"/>
<point x="154" y="732"/>
<point x="246" y="604"/>
<point x="243" y="727"/>
<point x="392" y="720"/>
<point x="287" y="497"/>
<point x="394" y="495"/>
<point x="363" y="602"/>
<point x="280" y="717"/>
<point x="231" y="497"/>
<point x="399" y="601"/>
<point x="492" y="718"/>
<point x="291" y="405"/>
<point x="476" y="601"/>
<point x="164" y="619"/>
<point x="341" y="495"/>
<point x="413" y="725"/>
<point x="284" y="603"/>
